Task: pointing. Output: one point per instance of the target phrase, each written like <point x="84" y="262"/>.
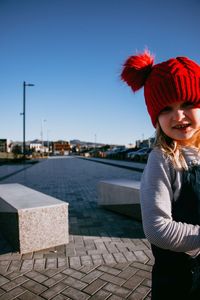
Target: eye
<point x="165" y="110"/>
<point x="189" y="104"/>
<point x="196" y="104"/>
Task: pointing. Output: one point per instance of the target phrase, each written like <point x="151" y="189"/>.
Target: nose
<point x="178" y="114"/>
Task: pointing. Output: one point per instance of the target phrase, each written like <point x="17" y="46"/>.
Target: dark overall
<point x="175" y="275"/>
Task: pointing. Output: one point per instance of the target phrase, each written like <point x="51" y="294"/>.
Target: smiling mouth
<point x="181" y="126"/>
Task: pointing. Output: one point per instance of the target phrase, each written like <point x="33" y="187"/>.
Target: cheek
<point x="163" y="121"/>
<point x="164" y="125"/>
<point x="198" y="113"/>
<point x="198" y="122"/>
<point x="196" y="117"/>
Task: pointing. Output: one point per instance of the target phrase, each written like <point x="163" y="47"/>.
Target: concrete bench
<point x="30" y="220"/>
<point x="120" y="195"/>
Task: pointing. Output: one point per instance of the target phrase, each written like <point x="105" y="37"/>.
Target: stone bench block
<point x="120" y="195"/>
<point x="31" y="220"/>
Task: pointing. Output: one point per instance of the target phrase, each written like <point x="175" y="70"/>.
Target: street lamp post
<point x="24" y="116"/>
<point x="42" y="136"/>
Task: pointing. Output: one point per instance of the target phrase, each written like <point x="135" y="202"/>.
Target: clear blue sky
<point x="73" y="51"/>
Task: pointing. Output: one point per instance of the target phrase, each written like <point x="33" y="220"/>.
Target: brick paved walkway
<point x="107" y="256"/>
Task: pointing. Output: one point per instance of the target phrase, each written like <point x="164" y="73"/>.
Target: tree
<point x="17" y="149"/>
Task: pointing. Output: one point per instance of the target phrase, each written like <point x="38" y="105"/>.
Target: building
<point x="5" y="145"/>
<point x="61" y="148"/>
<point x="39" y="146"/>
<point x="36" y="146"/>
<point x="145" y="143"/>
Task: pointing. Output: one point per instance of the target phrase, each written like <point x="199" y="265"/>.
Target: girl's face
<point x="180" y="121"/>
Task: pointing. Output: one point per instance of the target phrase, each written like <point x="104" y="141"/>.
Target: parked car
<point x="129" y="154"/>
<point x="140" y="155"/>
<point x="113" y="153"/>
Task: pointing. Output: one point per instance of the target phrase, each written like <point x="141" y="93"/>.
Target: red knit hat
<point x="174" y="80"/>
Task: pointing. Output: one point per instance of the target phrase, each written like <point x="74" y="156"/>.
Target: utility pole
<point x="24" y="117"/>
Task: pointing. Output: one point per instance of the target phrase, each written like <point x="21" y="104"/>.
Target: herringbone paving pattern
<point x="107" y="256"/>
<point x="113" y="281"/>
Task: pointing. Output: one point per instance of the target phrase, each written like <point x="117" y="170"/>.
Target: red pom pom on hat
<point x="136" y="69"/>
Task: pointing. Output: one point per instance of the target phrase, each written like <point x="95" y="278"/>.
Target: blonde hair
<point x="172" y="148"/>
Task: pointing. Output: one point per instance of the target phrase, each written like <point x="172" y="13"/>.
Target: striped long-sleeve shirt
<point x="160" y="185"/>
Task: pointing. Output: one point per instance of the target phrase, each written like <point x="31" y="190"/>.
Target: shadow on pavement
<point x="102" y="222"/>
<point x="24" y="166"/>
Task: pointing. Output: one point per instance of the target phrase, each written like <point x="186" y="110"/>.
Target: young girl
<point x="170" y="186"/>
